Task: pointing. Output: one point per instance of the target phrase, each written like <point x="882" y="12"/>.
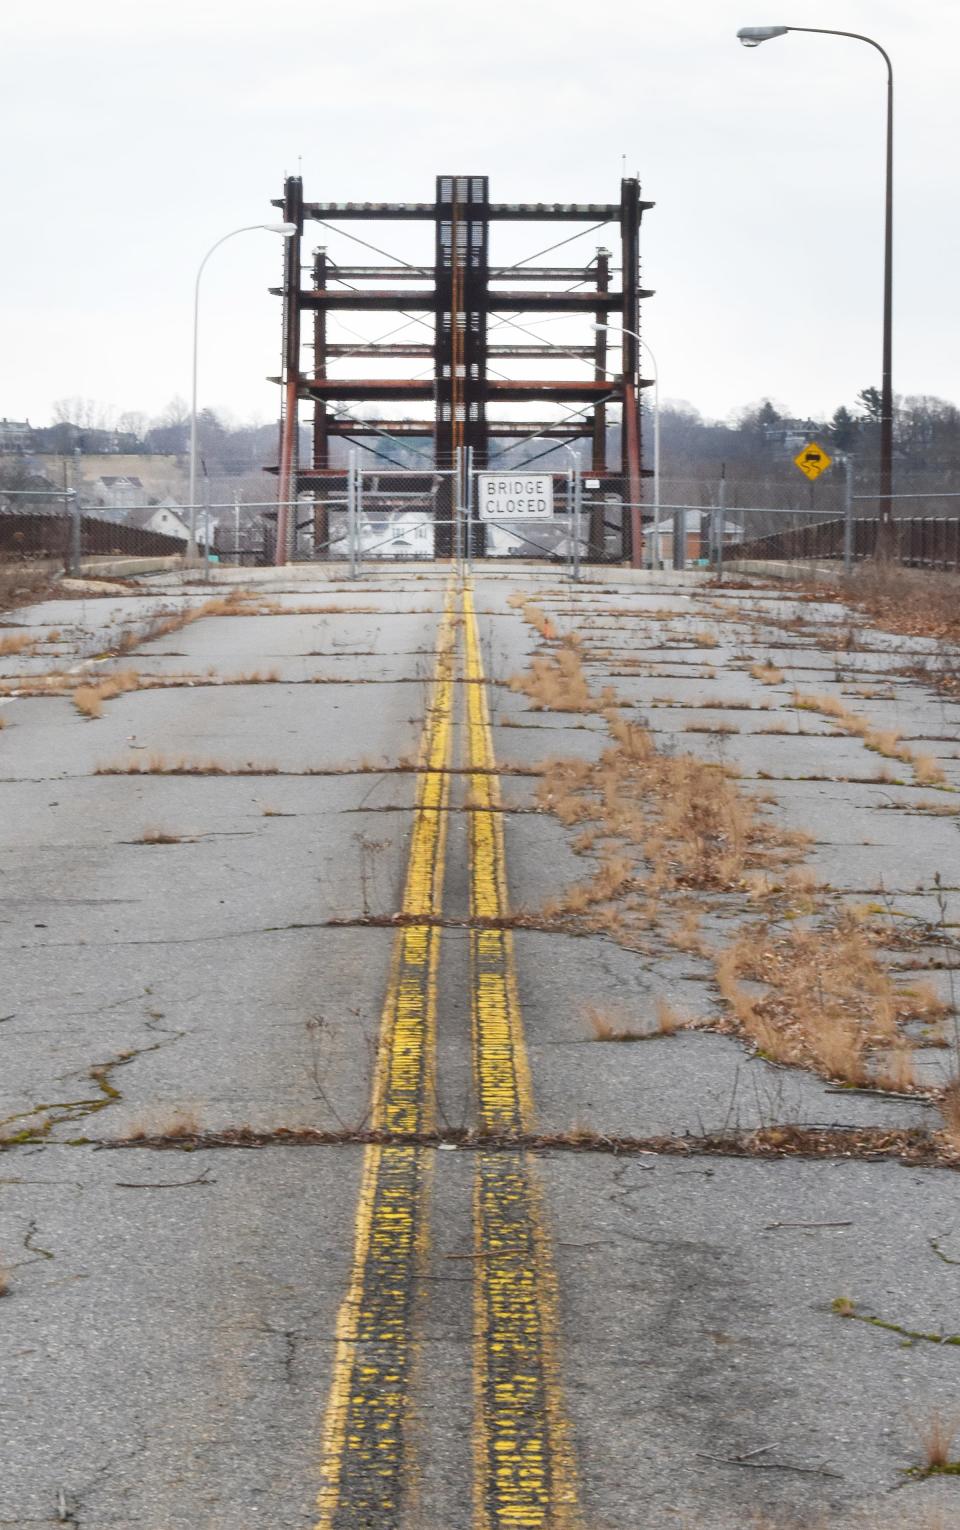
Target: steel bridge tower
<point x="449" y="304"/>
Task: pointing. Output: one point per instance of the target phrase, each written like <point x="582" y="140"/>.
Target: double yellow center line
<point x="524" y="1476"/>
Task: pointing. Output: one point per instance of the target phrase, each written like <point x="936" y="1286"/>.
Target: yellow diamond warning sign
<point x="813" y="461"/>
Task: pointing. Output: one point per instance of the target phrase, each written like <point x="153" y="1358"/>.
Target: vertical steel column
<point x="287" y="477"/>
<point x="631" y="448"/>
<point x="476" y="298"/>
<point x="443" y="436"/>
<point x="321" y="442"/>
<point x="597" y="532"/>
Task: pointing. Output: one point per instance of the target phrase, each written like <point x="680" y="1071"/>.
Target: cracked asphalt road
<point x="170" y="1332"/>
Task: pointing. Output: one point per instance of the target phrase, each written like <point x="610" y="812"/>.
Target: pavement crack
<point x="916" y="1146"/>
<point x="31" y="1246"/>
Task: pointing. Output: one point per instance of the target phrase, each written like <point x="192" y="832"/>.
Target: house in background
<point x="162" y="518"/>
<point x="116" y="491"/>
<point x="15" y="435"/>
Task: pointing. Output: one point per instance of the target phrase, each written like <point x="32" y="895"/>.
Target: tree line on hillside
<point x="755" y="445"/>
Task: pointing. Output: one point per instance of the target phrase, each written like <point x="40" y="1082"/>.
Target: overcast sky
<point x="136" y="134"/>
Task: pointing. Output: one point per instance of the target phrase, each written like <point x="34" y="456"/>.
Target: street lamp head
<point x="752" y="37"/>
<point x="286" y="229"/>
<point x="601" y="329"/>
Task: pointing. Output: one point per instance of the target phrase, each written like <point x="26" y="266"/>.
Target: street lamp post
<point x="287" y="230"/>
<point x="752" y="37"/>
<point x="605" y="328"/>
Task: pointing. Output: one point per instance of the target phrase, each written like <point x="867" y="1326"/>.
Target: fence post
<point x="577" y="508"/>
<point x="352" y="512"/>
<point x="73" y="559"/>
<point x="679" y="539"/>
<point x="719" y="521"/>
<point x="848" y="517"/>
<point x="468" y="510"/>
<point x="457" y="498"/>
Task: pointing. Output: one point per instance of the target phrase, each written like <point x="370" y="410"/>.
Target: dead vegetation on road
<point x="676" y="837"/>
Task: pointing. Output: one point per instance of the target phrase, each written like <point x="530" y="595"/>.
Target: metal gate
<point x="363" y="515"/>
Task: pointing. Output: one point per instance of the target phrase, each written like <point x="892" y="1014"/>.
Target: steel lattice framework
<point x="449" y="304"/>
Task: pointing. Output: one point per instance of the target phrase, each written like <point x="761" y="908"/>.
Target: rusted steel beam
<point x="499" y="212"/>
<point x="370" y="348"/>
<point x="425" y="301"/>
<point x="501" y="429"/>
<point x="415" y="352"/>
<point x="425" y="273"/>
<point x="502" y="390"/>
<point x="540" y="352"/>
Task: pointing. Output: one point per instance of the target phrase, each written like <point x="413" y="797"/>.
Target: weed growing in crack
<point x="767" y="673"/>
<point x="882" y="741"/>
<point x="16" y="642"/>
<point x="557" y="683"/>
<point x="937" y="1433"/>
<point x="88" y="699"/>
<point x="177" y="1124"/>
<point x="154" y="836"/>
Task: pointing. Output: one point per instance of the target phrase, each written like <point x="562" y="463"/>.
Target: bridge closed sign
<point x="514" y="496"/>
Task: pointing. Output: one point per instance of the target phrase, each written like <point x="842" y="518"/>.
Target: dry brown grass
<point x="610" y="1025"/>
<point x="949" y="1103"/>
<point x="160" y="765"/>
<point x="927" y="771"/>
<point x="883" y="741"/>
<point x="685" y="816"/>
<point x="705" y="639"/>
<point x="767" y="673"/>
<point x="669" y="1020"/>
<point x="607" y="1025"/>
<point x="820" y="998"/>
<point x="21" y="584"/>
<point x="181" y="1121"/>
<point x="536" y="618"/>
<point x="936" y="1434"/>
<point x="154" y="836"/>
<point x="255" y="677"/>
<point x="711" y="727"/>
<point x="234" y="604"/>
<point x="609" y="882"/>
<point x="17" y="642"/>
<point x="4" y="1280"/>
<point x="89" y="699"/>
<point x="906" y="600"/>
<point x="557" y="683"/>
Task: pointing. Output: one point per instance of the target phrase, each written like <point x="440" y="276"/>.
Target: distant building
<point x="160" y="518"/>
<point x="118" y="491"/>
<point x="15" y="435"/>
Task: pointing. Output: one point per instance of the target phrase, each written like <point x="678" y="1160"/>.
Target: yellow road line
<point x="525" y="1477"/>
<point x="365" y="1448"/>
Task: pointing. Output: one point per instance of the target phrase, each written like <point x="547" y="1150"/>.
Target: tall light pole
<point x="287" y="230"/>
<point x="752" y="37"/>
<point x="605" y="329"/>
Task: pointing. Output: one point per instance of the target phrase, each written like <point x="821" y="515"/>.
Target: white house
<point x="162" y="518"/>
